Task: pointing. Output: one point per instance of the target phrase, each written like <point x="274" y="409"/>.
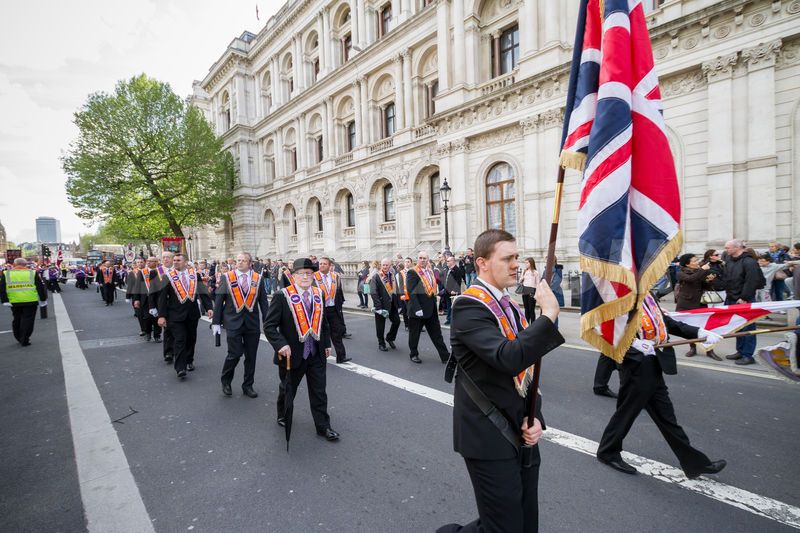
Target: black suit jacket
<point x="148" y="299"/>
<point x="453" y="279"/>
<point x="171" y="308"/>
<point x="492" y="361"/>
<point x="280" y="330"/>
<point x="381" y="299"/>
<point x="225" y="308"/>
<point x="338" y="298"/>
<point x="101" y="280"/>
<point x="418" y="298"/>
<point x="666" y="356"/>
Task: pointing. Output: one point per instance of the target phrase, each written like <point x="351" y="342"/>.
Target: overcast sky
<point x="54" y="53"/>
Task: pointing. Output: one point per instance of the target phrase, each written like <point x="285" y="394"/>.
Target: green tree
<point x="147" y="163"/>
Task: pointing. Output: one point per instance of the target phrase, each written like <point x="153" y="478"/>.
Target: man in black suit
<point x="453" y="278"/>
<point x="132" y="290"/>
<point x="489" y="357"/>
<point x="161" y="283"/>
<point x="330" y="283"/>
<point x="385" y="302"/>
<point x="235" y="305"/>
<point x="642" y="386"/>
<point x="421" y="287"/>
<point x="299" y="308"/>
<point x="108" y="279"/>
<point x="177" y="306"/>
<point x="146" y="299"/>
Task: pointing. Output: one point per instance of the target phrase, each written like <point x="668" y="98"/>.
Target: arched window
<point x="293" y="215"/>
<point x="351" y="135"/>
<point x="436" y="200"/>
<point x="226" y="112"/>
<point x="505" y="51"/>
<point x="350" y="211"/>
<point x="388" y="204"/>
<point x="500" y="194"/>
<point x="385" y="20"/>
<point x="319" y="216"/>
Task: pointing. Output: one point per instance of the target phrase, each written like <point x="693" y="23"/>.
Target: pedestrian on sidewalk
<point x="385" y="304"/>
<point x="743" y="278"/>
<point x="530" y="280"/>
<point x="693" y="280"/>
<point x="23" y="291"/>
<point x="177" y="307"/>
<point x="239" y="291"/>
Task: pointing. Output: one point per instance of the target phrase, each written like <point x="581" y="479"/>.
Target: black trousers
<point x="169" y="341"/>
<point x="602" y="374"/>
<point x="529" y="304"/>
<point x="380" y="326"/>
<point x="150" y="324"/>
<point x="107" y="291"/>
<point x="185" y="336"/>
<point x="336" y="325"/>
<point x="241" y="342"/>
<point x="24" y="315"/>
<point x="434" y="329"/>
<point x="507" y="496"/>
<point x="314" y="369"/>
<point x="642" y="387"/>
<point x="404" y="312"/>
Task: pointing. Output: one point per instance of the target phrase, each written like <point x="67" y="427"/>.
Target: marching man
<point x="383" y="289"/>
<point x="177" y="306"/>
<point x="296" y="328"/>
<point x="330" y="284"/>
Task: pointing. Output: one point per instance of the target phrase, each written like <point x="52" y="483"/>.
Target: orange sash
<point x="326" y="294"/>
<point x="108" y="275"/>
<point x="653" y="326"/>
<point x="430" y="290"/>
<point x="146" y="275"/>
<point x="239" y="299"/>
<point x="301" y="322"/>
<point x="180" y="290"/>
<point x="388" y="286"/>
<point x="404" y="296"/>
<point x="477" y="292"/>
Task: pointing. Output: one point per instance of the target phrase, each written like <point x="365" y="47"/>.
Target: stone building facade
<point x="346" y="116"/>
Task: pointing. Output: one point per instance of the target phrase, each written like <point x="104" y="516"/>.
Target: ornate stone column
<point x="327" y="128"/>
<point x="327" y="39"/>
<point x="443" y="43"/>
<point x="361" y="19"/>
<point x="302" y="142"/>
<point x="762" y="158"/>
<point x="355" y="17"/>
<point x="460" y="63"/>
<point x="398" y="92"/>
<point x="275" y="77"/>
<point x="528" y="26"/>
<point x="366" y="130"/>
<point x="552" y="31"/>
<point x="407" y="93"/>
<point x="357" y="108"/>
<point x="719" y="73"/>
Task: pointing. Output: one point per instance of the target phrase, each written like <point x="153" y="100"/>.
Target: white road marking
<point x="2" y="332"/>
<point x="736" y="497"/>
<point x="111" y="499"/>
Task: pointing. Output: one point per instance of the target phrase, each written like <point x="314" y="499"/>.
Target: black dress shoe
<point x="347" y="336"/>
<point x="249" y="392"/>
<point x="345" y="360"/>
<point x="189" y="367"/>
<point x="745" y="361"/>
<point x="606" y="392"/>
<point x="733" y="356"/>
<point x="416" y="359"/>
<point x="168" y="359"/>
<point x="619" y="464"/>
<point x="148" y="338"/>
<point x="142" y="333"/>
<point x="181" y="374"/>
<point x="26" y="343"/>
<point x="329" y="434"/>
<point x="383" y="348"/>
<point x="226" y="389"/>
<point x="281" y="422"/>
<point x="714" y="468"/>
<point x="391" y="344"/>
<point x="157" y="339"/>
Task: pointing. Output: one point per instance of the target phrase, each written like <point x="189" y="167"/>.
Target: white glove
<point x="43" y="304"/>
<point x="385" y="313"/>
<point x="127" y="300"/>
<point x="711" y="337"/>
<point x="153" y="312"/>
<point x="646" y="347"/>
<point x="216" y="329"/>
<point x="419" y="313"/>
<point x="7" y="304"/>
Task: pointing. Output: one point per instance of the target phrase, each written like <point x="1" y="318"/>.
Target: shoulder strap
<point x="489" y="410"/>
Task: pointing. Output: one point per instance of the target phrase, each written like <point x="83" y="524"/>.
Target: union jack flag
<point x="629" y="207"/>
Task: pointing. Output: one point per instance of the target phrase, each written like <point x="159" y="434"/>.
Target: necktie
<point x="243" y="284"/>
<point x="505" y="301"/>
<point x="184" y="281"/>
<point x="308" y="345"/>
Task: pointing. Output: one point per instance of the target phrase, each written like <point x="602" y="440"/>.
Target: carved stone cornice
<point x="762" y="56"/>
<point x="683" y="84"/>
<point x="530" y="124"/>
<point x="443" y="150"/>
<point x="460" y="145"/>
<point x="720" y="68"/>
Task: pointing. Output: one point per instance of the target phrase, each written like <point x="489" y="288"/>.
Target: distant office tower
<point x="48" y="229"/>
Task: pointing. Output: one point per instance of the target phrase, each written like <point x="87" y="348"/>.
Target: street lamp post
<point x="444" y="191"/>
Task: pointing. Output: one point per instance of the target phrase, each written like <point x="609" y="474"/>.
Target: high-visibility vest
<point x="21" y="286"/>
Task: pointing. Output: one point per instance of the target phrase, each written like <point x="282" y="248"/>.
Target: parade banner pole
<point x="729" y="336"/>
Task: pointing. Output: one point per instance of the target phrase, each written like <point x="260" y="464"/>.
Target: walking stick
<point x="729" y="336"/>
<point x="527" y="451"/>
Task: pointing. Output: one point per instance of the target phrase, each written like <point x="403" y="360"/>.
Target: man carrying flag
<point x="628" y="219"/>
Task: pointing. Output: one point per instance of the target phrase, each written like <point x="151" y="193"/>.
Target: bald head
<point x="20" y="261"/>
<point x="734" y="247"/>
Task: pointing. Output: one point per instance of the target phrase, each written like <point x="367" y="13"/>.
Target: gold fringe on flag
<point x="574" y="160"/>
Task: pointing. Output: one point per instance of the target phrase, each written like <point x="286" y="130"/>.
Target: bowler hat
<point x="303" y="262"/>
